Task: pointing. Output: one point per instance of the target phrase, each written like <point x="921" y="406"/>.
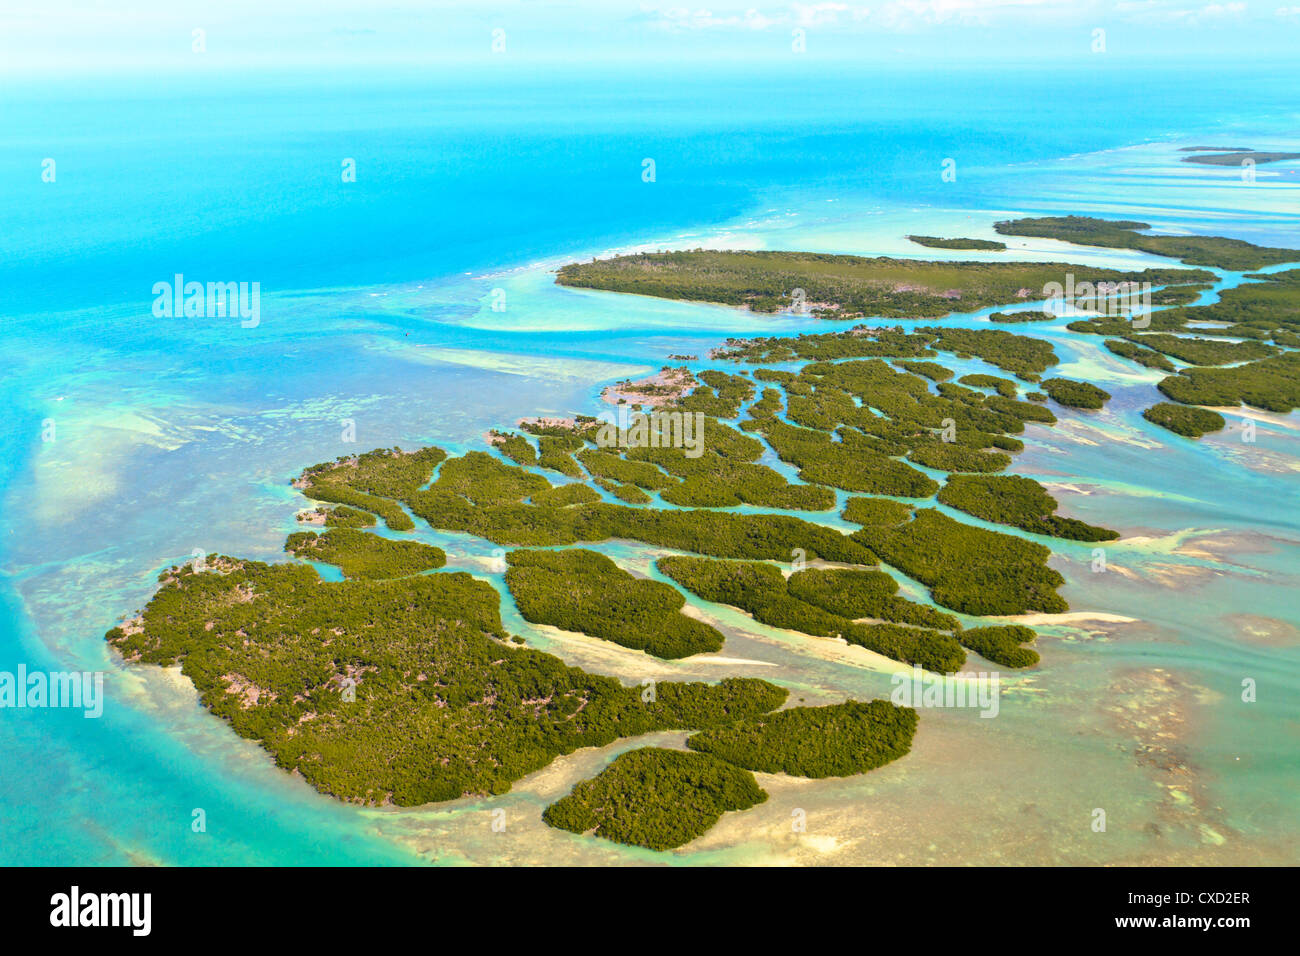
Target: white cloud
<point x="1172" y="12"/>
<point x="796" y="14"/>
<point x="815" y="14"/>
<point x="909" y="13"/>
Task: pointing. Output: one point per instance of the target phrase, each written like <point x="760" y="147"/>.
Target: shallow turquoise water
<point x="173" y="435"/>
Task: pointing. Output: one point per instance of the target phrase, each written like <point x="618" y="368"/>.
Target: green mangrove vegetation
<point x="858" y="342"/>
<point x="1016" y="318"/>
<point x="1074" y="394"/>
<point x="1196" y="351"/>
<point x="934" y="242"/>
<point x="1267" y="306"/>
<point x="1230" y="360"/>
<point x="720" y="395"/>
<point x="1215" y="156"/>
<point x="702" y="531"/>
<point x="1019" y="502"/>
<point x="400" y="686"/>
<point x="555" y="453"/>
<point x="950" y="457"/>
<point x="1003" y="386"/>
<point x="662" y="799"/>
<point x="833" y="286"/>
<point x="850" y="463"/>
<point x="1186" y="420"/>
<point x="761" y="590"/>
<point x="603" y="464"/>
<point x="562" y="496"/>
<point x="372" y="481"/>
<point x="360" y="554"/>
<point x="1216" y="251"/>
<point x="724" y="474"/>
<point x="629" y="493"/>
<point x="855" y="594"/>
<point x="1021" y="355"/>
<point x="853" y="419"/>
<point x="401" y="691"/>
<point x="931" y="370"/>
<point x="969" y="569"/>
<point x="339" y="516"/>
<point x="876" y="511"/>
<point x="1180" y="294"/>
<point x="839" y="740"/>
<point x="1143" y="356"/>
<point x="584" y="591"/>
<point x="515" y="447"/>
<point x="1272" y="384"/>
<point x="655" y="798"/>
<point x="1001" y="644"/>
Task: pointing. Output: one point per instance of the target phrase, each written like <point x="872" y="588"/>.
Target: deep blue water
<point x="240" y="177"/>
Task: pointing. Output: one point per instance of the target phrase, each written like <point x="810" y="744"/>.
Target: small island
<point x="655" y="798"/>
<point x="1185" y="420"/>
<point x="1215" y="251"/>
<point x="839" y="286"/>
<point x="1074" y="394"/>
<point x="1016" y="318"/>
<point x="662" y="799"/>
<point x="1233" y="155"/>
<point x="658" y="389"/>
<point x="934" y="242"/>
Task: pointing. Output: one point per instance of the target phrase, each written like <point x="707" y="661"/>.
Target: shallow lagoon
<point x="171" y="438"/>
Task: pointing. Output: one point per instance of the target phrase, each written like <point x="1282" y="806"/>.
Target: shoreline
<point x="1289" y="421"/>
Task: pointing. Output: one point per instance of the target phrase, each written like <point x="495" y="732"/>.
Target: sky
<point x="62" y="37"/>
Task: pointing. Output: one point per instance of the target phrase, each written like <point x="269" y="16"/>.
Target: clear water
<point x="177" y="434"/>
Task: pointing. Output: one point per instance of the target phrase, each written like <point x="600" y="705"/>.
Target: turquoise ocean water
<point x="176" y="434"/>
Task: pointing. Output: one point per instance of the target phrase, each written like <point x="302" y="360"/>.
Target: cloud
<point x="1171" y="12"/>
<point x="908" y="14"/>
<point x="913" y="15"/>
<point x="796" y="14"/>
<point x="816" y="14"/>
<point x="1220" y="10"/>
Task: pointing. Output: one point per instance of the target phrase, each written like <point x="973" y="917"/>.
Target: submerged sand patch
<point x="1245" y="411"/>
<point x="1177" y="575"/>
<point x="1263" y="631"/>
<point x="1070" y="617"/>
<point x="1157" y="711"/>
